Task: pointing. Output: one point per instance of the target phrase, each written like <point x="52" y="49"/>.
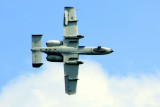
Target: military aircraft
<point x="66" y="51"/>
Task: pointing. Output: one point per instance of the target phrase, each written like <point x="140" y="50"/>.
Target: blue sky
<point x="130" y="28"/>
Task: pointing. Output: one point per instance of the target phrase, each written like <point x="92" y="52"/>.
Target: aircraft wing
<point x="71" y="65"/>
<point x="70" y="34"/>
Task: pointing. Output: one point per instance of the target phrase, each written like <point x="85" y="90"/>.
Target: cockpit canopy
<point x="99" y="49"/>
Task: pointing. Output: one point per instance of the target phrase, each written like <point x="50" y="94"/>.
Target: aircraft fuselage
<point x="81" y="50"/>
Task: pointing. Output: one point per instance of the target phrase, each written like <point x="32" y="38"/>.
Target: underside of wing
<point x="71" y="65"/>
<point x="70" y="34"/>
<point x="71" y="77"/>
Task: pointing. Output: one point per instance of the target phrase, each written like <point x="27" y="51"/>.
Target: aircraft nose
<point x="111" y="51"/>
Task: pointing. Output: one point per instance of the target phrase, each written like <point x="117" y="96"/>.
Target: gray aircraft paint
<point x="66" y="51"/>
<point x="70" y="50"/>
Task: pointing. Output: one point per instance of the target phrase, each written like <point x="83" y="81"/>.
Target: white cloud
<point x="95" y="89"/>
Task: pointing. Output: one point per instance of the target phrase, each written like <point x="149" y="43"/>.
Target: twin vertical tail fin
<point x="36" y="55"/>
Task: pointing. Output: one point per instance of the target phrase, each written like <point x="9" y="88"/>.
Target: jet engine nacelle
<point x="54" y="58"/>
<point x="52" y="43"/>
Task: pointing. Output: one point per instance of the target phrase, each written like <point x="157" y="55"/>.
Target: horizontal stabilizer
<point x="36" y="56"/>
<point x="36" y="59"/>
<point x="37" y="40"/>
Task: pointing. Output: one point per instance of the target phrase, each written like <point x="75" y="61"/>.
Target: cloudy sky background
<point x="129" y="77"/>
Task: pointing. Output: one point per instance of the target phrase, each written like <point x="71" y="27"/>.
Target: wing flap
<point x="71" y="71"/>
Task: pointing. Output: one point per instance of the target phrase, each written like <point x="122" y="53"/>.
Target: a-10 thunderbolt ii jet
<point x="66" y="51"/>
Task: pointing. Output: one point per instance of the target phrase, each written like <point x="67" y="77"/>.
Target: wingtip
<point x="68" y="7"/>
<point x="70" y="93"/>
<point x="37" y="35"/>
